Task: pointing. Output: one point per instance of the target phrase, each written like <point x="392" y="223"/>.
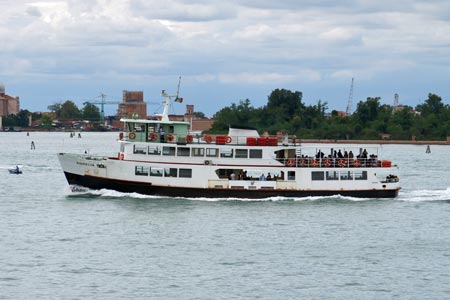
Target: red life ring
<point x="189" y="138"/>
<point x="132" y="135"/>
<point x="357" y="163"/>
<point x="290" y="162"/>
<point x="327" y="162"/>
<point x="153" y="137"/>
<point x="229" y="139"/>
<point x="170" y="137"/>
<point x="121" y="156"/>
<point x="314" y="162"/>
<point x="121" y="136"/>
<point x="341" y="163"/>
<point x="208" y="139"/>
<point x="303" y="162"/>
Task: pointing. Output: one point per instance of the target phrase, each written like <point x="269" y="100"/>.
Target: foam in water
<point x="425" y="195"/>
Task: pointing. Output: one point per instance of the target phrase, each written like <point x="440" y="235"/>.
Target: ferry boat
<point x="162" y="157"/>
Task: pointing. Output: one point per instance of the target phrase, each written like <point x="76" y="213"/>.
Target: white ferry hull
<point x="111" y="173"/>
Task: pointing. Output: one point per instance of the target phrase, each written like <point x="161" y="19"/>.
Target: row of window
<point x="339" y="175"/>
<point x="162" y="172"/>
<point x="197" y="151"/>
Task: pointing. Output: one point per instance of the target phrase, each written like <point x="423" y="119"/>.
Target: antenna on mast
<point x="178" y="88"/>
<point x="350" y="100"/>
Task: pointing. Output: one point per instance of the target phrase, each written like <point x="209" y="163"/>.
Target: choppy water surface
<point x="107" y="245"/>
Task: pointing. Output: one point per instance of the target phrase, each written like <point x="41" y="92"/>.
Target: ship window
<point x="212" y="152"/>
<point x="332" y="175"/>
<point x="198" y="152"/>
<point x="169" y="151"/>
<point x="141" y="171"/>
<point x="183" y="151"/>
<point x="170" y="172"/>
<point x="154" y="150"/>
<point x="158" y="172"/>
<point x="185" y="173"/>
<point x="346" y="175"/>
<point x="360" y="175"/>
<point x="241" y="153"/>
<point x="255" y="153"/>
<point x="317" y="176"/>
<point x="291" y="175"/>
<point x="226" y="153"/>
<point x="140" y="149"/>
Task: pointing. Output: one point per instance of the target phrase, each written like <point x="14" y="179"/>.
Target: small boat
<point x="162" y="157"/>
<point x="15" y="170"/>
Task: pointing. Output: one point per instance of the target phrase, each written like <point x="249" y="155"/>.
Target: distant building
<point x="132" y="105"/>
<point x="8" y="105"/>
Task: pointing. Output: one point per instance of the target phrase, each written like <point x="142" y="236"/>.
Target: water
<point x="109" y="245"/>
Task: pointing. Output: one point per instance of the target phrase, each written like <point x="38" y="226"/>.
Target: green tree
<point x="55" y="108"/>
<point x="46" y="121"/>
<point x="90" y="112"/>
<point x="69" y="111"/>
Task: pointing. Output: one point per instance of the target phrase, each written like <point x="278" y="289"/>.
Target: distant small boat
<point x="15" y="170"/>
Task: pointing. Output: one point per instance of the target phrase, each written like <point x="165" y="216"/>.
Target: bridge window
<point x="226" y="153"/>
<point x="241" y="153"/>
<point x="360" y="175"/>
<point x="183" y="151"/>
<point x="317" y="176"/>
<point x="346" y="175"/>
<point x="212" y="152"/>
<point x="169" y="151"/>
<point x="200" y="152"/>
<point x="255" y="153"/>
<point x="154" y="150"/>
<point x="139" y="149"/>
<point x="141" y="171"/>
<point x="185" y="173"/>
<point x="158" y="172"/>
<point x="291" y="175"/>
<point x="332" y="175"/>
<point x="170" y="172"/>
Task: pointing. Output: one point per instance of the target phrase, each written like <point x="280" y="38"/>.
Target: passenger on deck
<point x="161" y="134"/>
<point x="269" y="177"/>
<point x="350" y="154"/>
<point x="262" y="177"/>
<point x="232" y="176"/>
<point x="340" y="154"/>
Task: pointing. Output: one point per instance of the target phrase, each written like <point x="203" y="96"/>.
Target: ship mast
<point x="168" y="101"/>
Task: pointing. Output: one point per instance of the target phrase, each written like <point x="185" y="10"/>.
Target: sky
<point x="224" y="51"/>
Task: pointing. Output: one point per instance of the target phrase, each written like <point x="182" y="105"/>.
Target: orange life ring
<point x="208" y="139"/>
<point x="121" y="136"/>
<point x="153" y="137"/>
<point x="290" y="162"/>
<point x="314" y="162"/>
<point x="229" y="139"/>
<point x="170" y="137"/>
<point x="357" y="163"/>
<point x="302" y="162"/>
<point x="341" y="163"/>
<point x="327" y="162"/>
<point x="132" y="135"/>
<point x="189" y="138"/>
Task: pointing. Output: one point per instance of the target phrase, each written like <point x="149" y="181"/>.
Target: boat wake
<point x="425" y="195"/>
<point x="79" y="191"/>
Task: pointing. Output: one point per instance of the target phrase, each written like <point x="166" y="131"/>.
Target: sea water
<point x="55" y="244"/>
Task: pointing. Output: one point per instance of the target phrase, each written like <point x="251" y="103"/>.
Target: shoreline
<point x="387" y="142"/>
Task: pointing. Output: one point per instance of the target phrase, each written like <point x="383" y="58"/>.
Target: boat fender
<point x="207" y="162"/>
<point x="132" y="135"/>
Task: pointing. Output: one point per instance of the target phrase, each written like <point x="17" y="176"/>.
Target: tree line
<point x="66" y="110"/>
<point x="286" y="112"/>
